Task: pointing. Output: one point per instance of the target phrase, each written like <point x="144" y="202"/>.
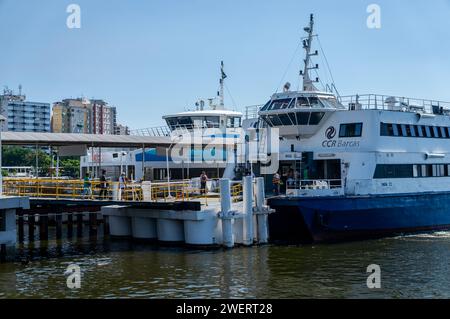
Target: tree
<point x="71" y="167"/>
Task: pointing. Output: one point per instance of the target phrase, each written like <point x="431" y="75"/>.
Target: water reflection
<point x="411" y="266"/>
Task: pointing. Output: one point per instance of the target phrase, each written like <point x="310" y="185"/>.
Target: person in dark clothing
<point x="103" y="186"/>
<point x="203" y="180"/>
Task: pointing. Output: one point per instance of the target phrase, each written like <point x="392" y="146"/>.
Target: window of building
<point x="350" y="130"/>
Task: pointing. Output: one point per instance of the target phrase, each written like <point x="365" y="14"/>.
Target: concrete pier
<point x="222" y="222"/>
<point x="8" y="228"/>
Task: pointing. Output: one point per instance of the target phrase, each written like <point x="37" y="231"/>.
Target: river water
<point x="415" y="266"/>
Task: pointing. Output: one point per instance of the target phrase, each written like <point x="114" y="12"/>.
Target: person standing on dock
<point x="203" y="180"/>
<point x="276" y="181"/>
<point x="103" y="185"/>
<point x="122" y="186"/>
<point x="87" y="190"/>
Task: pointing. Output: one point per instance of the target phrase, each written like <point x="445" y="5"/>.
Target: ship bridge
<point x="299" y="113"/>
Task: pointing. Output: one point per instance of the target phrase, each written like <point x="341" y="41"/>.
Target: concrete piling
<point x="227" y="219"/>
<point x="58" y="221"/>
<point x="70" y="225"/>
<point x="248" y="211"/>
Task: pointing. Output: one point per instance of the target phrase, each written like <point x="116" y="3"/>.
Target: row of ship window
<point x="411" y="130"/>
<point x="411" y="170"/>
<point x="297" y="118"/>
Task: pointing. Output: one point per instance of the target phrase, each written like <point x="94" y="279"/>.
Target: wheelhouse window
<point x="233" y="122"/>
<point x="279" y="104"/>
<point x="303" y="102"/>
<point x="275" y="120"/>
<point x="212" y="122"/>
<point x="285" y="120"/>
<point x="302" y="118"/>
<point x="316" y="117"/>
<point x="350" y="130"/>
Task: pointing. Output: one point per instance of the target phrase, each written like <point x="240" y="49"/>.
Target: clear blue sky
<point x="154" y="57"/>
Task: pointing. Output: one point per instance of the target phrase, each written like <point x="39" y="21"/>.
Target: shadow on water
<point x="411" y="267"/>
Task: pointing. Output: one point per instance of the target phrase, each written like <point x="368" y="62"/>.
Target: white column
<point x="261" y="217"/>
<point x="225" y="202"/>
<point x="248" y="210"/>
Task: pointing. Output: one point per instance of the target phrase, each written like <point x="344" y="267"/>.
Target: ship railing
<point x="314" y="184"/>
<point x="394" y="103"/>
<point x="251" y="112"/>
<point x="152" y="131"/>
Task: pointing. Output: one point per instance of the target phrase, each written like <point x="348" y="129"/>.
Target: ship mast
<point x="308" y="83"/>
<point x="223" y="76"/>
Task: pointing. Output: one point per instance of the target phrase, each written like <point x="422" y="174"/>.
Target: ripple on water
<point x="413" y="266"/>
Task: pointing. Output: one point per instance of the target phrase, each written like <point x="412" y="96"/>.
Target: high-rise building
<point x="72" y="116"/>
<point x="103" y="117"/>
<point x="122" y="130"/>
<point x="22" y="115"/>
<point x="84" y="116"/>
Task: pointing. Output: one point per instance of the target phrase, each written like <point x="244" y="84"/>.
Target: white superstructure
<point x="358" y="145"/>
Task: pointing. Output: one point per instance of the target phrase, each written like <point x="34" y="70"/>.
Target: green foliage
<point x="22" y="156"/>
<point x="71" y="167"/>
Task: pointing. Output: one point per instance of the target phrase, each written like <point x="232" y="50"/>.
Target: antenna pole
<point x="222" y="78"/>
<point x="307" y="82"/>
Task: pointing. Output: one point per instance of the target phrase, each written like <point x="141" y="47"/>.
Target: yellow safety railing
<point x="109" y="190"/>
<point x="236" y="192"/>
<point x="59" y="188"/>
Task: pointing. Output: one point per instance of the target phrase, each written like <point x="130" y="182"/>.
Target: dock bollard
<point x="225" y="202"/>
<point x="248" y="210"/>
<point x="261" y="216"/>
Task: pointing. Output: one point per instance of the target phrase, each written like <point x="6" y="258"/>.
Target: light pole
<point x="2" y="121"/>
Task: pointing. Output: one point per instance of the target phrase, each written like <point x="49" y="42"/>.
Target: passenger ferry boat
<point x="358" y="166"/>
<point x="209" y="122"/>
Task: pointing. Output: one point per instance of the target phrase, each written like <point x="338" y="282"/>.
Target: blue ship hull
<point x="328" y="219"/>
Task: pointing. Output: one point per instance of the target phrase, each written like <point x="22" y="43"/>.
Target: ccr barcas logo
<point x="330" y="133"/>
<point x="330" y="142"/>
